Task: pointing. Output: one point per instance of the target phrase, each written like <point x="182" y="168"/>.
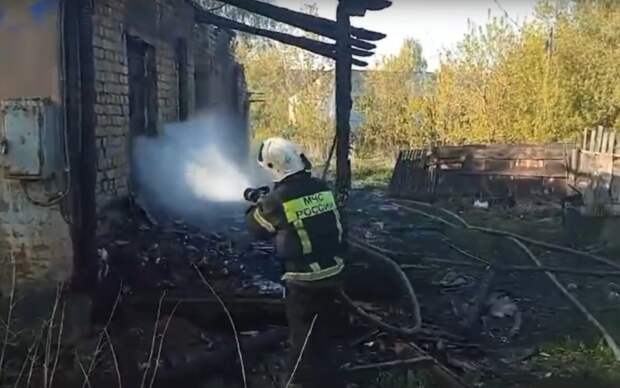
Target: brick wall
<point x="112" y="20"/>
<point x="112" y="103"/>
<point x="167" y="83"/>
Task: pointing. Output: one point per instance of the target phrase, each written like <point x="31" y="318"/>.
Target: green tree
<point x="390" y="102"/>
<point x="291" y="89"/>
<point x="543" y="81"/>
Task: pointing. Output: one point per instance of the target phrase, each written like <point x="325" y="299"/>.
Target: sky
<point x="436" y="24"/>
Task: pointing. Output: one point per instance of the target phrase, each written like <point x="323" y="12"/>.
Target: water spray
<point x="195" y="168"/>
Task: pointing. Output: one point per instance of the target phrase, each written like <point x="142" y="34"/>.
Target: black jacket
<point x="301" y="214"/>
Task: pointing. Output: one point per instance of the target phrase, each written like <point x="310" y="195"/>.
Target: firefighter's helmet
<point x="282" y="158"/>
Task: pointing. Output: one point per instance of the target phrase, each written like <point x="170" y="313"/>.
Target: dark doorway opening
<point x="181" y="53"/>
<point x="143" y="114"/>
<point x="142" y="87"/>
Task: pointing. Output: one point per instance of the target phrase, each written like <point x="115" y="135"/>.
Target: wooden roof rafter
<point x="358" y="40"/>
<point x="315" y="24"/>
<point x="321" y="48"/>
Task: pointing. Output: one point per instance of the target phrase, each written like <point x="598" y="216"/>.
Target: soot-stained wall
<point x="164" y="28"/>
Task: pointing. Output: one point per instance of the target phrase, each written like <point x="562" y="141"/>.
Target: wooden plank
<point x="456" y="151"/>
<point x="599" y="139"/>
<point x="494" y="165"/>
<point x="593" y="153"/>
<point x="587" y="162"/>
<point x="615" y="181"/>
<point x="554" y="168"/>
<point x="604" y="167"/>
<point x="505" y="151"/>
<point x="585" y="139"/>
<point x="574" y="161"/>
<point x="538" y="173"/>
<point x="611" y="145"/>
<point x="604" y="142"/>
<point x="592" y="146"/>
<point x="394" y="181"/>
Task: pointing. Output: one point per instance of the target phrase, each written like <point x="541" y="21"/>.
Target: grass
<point x="571" y="358"/>
<point x="372" y="173"/>
<point x="366" y="172"/>
<point x="400" y="379"/>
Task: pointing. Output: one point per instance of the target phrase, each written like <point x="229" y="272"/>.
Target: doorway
<point x="142" y="87"/>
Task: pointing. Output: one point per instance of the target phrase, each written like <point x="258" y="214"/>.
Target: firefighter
<point x="300" y="213"/>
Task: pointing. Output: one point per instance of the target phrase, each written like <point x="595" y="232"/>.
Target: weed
<point x="400" y="379"/>
<point x="570" y="358"/>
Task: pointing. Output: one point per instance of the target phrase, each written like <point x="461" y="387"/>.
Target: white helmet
<point x="282" y="158"/>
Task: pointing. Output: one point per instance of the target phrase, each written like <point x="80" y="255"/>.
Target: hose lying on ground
<point x="497" y="232"/>
<point x="413" y="299"/>
<point x="517" y="240"/>
<point x="582" y="309"/>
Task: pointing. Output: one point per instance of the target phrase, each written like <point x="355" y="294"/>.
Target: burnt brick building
<point x="79" y="80"/>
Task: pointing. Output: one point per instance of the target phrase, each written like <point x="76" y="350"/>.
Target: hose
<point x="413" y="299"/>
<point x="497" y="232"/>
<point x="611" y="343"/>
<point x="430" y="206"/>
<point x="518" y="241"/>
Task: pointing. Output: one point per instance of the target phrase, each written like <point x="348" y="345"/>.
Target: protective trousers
<point x="319" y="366"/>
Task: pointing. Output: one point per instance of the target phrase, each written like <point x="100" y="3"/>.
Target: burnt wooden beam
<point x="362" y="44"/>
<point x="310" y="23"/>
<point x="344" y="104"/>
<point x="359" y="7"/>
<point x="327" y="50"/>
<point x="375" y="5"/>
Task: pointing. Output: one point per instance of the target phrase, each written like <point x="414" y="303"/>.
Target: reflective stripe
<point x="304" y="239"/>
<point x="263" y="222"/>
<point x="309" y="206"/>
<point x="315" y="267"/>
<point x="313" y="276"/>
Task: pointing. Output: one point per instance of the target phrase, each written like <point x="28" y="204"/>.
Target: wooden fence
<point x="485" y="170"/>
<point x="595" y="171"/>
<point x="591" y="168"/>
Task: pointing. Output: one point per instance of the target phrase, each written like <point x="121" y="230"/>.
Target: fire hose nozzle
<point x="253" y="195"/>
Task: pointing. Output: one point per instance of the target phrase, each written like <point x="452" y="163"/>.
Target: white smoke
<point x="195" y="169"/>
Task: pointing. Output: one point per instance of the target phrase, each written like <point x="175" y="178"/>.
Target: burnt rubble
<point x="472" y="312"/>
<point x="153" y="266"/>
